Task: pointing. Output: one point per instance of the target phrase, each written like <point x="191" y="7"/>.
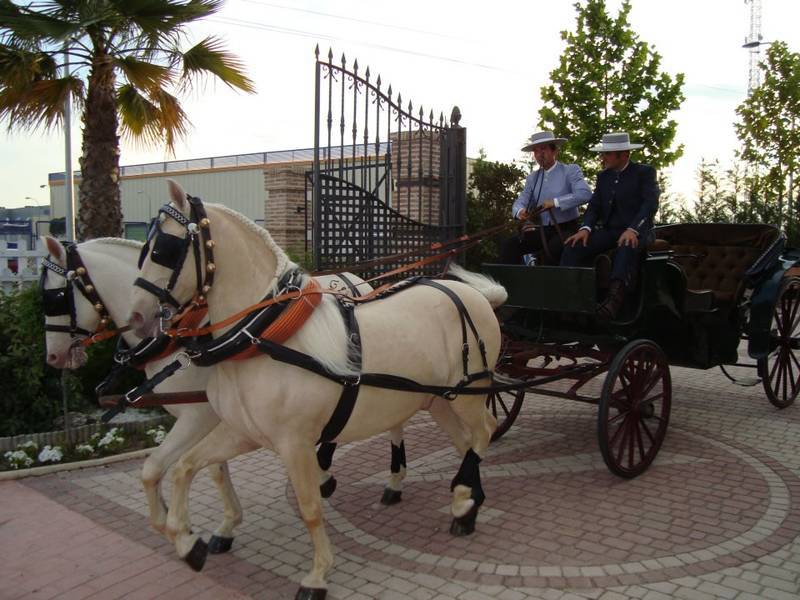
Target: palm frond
<point x="41" y="104"/>
<point x="142" y="74"/>
<point x="151" y="119"/>
<point x="21" y="24"/>
<point x="209" y="57"/>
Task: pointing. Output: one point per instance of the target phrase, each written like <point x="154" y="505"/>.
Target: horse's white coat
<point x="415" y="334"/>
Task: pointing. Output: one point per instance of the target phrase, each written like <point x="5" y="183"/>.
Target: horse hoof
<point x="219" y="545"/>
<point x="197" y="555"/>
<point x="465" y="525"/>
<point x="327" y="489"/>
<point x="391" y="496"/>
<point x="305" y="593"/>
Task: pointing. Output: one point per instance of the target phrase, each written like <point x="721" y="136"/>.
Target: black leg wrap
<point x="219" y="545"/>
<point x="197" y="555"/>
<point x="327" y="488"/>
<point x="305" y="593"/>
<point x="325" y="455"/>
<point x="398" y="457"/>
<point x="469" y="474"/>
<point x="391" y="496"/>
<point x="465" y="525"/>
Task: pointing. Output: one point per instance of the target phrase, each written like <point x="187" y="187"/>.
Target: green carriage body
<point x="698" y="327"/>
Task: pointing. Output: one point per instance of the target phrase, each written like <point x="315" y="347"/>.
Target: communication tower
<point x="753" y="43"/>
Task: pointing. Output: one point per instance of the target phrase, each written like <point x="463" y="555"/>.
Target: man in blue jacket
<point x="554" y="185"/>
<point x="620" y="215"/>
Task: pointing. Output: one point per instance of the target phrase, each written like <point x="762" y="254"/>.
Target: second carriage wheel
<point x="505" y="407"/>
<point x="780" y="369"/>
<point x="634" y="408"/>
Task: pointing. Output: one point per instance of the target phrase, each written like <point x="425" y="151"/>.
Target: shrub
<point x="18" y="459"/>
<point x="30" y="391"/>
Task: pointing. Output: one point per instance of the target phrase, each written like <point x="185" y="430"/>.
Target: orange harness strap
<point x="290" y="321"/>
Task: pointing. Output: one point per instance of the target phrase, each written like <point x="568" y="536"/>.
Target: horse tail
<point x="491" y="290"/>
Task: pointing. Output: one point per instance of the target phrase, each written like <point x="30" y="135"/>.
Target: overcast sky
<point x="489" y="58"/>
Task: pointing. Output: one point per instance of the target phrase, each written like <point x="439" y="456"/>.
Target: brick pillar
<point x="284" y="210"/>
<point x="416" y="192"/>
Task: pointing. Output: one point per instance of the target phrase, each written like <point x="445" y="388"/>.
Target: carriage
<point x="702" y="291"/>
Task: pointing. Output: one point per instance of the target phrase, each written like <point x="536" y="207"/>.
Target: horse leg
<point x="222" y="540"/>
<point x="190" y="427"/>
<point x="218" y="446"/>
<point x="466" y="485"/>
<point x="300" y="465"/>
<point x="393" y="492"/>
<point x="327" y="482"/>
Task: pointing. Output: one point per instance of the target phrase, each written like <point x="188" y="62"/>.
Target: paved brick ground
<point x="717" y="516"/>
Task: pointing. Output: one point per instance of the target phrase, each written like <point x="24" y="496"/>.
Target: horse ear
<point x="177" y="194"/>
<point x="55" y="249"/>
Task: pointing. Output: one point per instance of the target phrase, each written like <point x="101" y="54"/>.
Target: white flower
<point x="18" y="459"/>
<point x="30" y="447"/>
<point x="84" y="449"/>
<point x="158" y="434"/>
<point x="113" y="439"/>
<point x="49" y="454"/>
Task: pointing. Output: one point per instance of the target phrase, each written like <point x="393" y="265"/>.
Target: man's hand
<point x="628" y="238"/>
<point x="582" y="236"/>
<point x="522" y="215"/>
<point x="548" y="204"/>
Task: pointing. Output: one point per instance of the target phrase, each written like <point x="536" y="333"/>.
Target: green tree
<point x="127" y="67"/>
<point x="669" y="207"/>
<point x="493" y="187"/>
<point x="769" y="133"/>
<point x="609" y="80"/>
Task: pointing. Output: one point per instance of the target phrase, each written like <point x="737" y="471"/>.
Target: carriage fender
<point x="762" y="308"/>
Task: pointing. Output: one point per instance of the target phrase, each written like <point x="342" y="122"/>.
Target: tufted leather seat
<point x="715" y="256"/>
<point x="716" y="268"/>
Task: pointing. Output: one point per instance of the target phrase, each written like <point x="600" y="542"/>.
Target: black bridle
<point x="58" y="302"/>
<point x="170" y="252"/>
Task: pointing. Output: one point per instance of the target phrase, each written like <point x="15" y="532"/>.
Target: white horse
<point x="111" y="265"/>
<point x="415" y="334"/>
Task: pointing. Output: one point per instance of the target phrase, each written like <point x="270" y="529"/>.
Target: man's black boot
<point x="608" y="308"/>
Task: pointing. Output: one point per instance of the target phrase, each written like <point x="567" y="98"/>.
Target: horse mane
<point x="324" y="335"/>
<point x="114" y="241"/>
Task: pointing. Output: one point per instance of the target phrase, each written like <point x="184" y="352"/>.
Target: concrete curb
<point x="71" y="466"/>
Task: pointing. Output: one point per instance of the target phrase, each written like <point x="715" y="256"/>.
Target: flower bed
<point x="105" y="441"/>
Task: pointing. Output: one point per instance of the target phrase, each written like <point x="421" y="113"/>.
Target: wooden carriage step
<point x="149" y="400"/>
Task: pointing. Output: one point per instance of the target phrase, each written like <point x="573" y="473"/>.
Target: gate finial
<point x="455" y="117"/>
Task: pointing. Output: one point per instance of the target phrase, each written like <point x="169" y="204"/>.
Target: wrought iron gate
<point x="393" y="183"/>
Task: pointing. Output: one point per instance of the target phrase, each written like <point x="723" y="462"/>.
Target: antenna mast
<point x="753" y="42"/>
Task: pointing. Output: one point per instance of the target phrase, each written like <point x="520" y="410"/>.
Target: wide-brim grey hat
<point x="615" y="142"/>
<point x="543" y="137"/>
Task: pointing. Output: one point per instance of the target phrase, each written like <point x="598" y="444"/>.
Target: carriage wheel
<point x="505" y="407"/>
<point x="780" y="369"/>
<point x="634" y="408"/>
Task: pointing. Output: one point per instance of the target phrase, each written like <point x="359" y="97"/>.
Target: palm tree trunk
<point x="100" y="213"/>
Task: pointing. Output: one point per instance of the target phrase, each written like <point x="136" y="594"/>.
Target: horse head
<point x="176" y="263"/>
<point x="69" y="316"/>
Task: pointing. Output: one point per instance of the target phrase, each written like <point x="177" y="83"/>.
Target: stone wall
<point x="284" y="207"/>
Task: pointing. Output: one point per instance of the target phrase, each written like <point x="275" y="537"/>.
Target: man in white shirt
<point x="554" y="185"/>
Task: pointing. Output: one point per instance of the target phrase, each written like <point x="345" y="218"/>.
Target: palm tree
<point x="126" y="66"/>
